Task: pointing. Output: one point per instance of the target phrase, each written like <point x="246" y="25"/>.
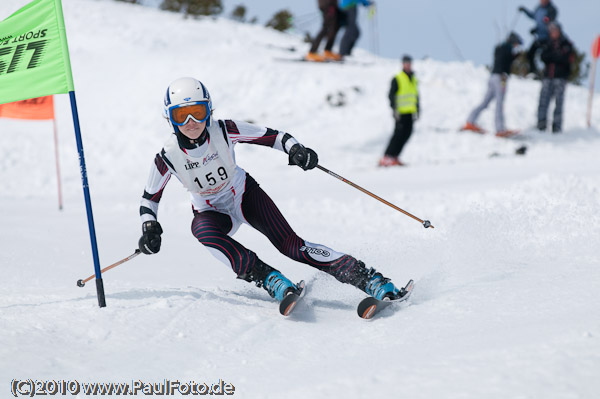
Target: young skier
<point x="200" y="153"/>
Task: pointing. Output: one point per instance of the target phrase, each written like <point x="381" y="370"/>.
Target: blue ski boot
<point x="278" y="286"/>
<point x="379" y="287"/>
<point x="373" y="283"/>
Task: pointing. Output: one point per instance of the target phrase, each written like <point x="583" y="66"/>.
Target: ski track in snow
<point x="507" y="284"/>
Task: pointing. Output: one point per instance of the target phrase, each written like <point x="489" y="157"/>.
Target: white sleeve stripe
<point x="288" y="144"/>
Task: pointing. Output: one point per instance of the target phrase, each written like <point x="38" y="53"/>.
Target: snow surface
<point x="507" y="294"/>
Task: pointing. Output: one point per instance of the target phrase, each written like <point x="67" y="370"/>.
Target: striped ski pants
<point x="213" y="229"/>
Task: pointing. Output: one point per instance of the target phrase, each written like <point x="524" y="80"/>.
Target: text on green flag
<point x="34" y="57"/>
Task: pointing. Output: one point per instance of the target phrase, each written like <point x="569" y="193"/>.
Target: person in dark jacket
<point x="351" y="32"/>
<point x="557" y="55"/>
<point x="504" y="55"/>
<point x="404" y="100"/>
<point x="331" y="26"/>
<point x="543" y="14"/>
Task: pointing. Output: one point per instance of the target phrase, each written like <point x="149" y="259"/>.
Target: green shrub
<point x="193" y="7"/>
<point x="239" y="13"/>
<point x="281" y="21"/>
<point x="579" y="68"/>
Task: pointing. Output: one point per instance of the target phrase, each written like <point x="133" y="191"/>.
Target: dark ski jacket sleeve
<point x="392" y="93"/>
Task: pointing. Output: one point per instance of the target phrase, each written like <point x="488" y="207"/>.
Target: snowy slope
<point x="506" y="301"/>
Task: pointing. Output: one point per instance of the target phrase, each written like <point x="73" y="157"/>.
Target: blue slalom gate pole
<point x="88" y="202"/>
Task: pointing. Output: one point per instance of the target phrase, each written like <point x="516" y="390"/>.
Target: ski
<point x="302" y="59"/>
<point x="287" y="305"/>
<point x="508" y="133"/>
<point x="369" y="307"/>
<point x="503" y="134"/>
<point x="345" y="61"/>
<point x="473" y="129"/>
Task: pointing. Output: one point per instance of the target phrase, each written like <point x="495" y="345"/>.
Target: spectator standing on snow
<point x="543" y="14"/>
<point x="504" y="55"/>
<point x="351" y="33"/>
<point x="557" y="55"/>
<point x="200" y="154"/>
<point x="404" y="100"/>
<point x="331" y="25"/>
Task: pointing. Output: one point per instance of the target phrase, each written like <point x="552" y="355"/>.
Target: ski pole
<point x="514" y="21"/>
<point x="425" y="223"/>
<point x="374" y="29"/>
<point x="449" y="37"/>
<point x="81" y="283"/>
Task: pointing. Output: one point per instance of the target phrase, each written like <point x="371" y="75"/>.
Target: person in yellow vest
<point x="404" y="100"/>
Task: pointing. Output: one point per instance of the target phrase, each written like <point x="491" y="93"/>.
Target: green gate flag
<point x="34" y="57"/>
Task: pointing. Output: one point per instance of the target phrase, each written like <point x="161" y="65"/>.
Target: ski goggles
<point x="181" y="114"/>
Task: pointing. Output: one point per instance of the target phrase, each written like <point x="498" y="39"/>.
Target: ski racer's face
<point x="192" y="129"/>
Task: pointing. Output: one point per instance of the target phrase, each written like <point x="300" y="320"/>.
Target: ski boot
<point x="507" y="133"/>
<point x="381" y="288"/>
<point x="272" y="280"/>
<point x="278" y="286"/>
<point x="314" y="57"/>
<point x="331" y="56"/>
<point x="390" y="161"/>
<point x="472" y="128"/>
<point x="375" y="285"/>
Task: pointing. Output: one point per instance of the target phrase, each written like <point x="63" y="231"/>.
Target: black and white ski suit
<point x="224" y="196"/>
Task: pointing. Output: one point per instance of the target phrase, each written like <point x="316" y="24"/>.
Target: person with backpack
<point x="557" y="55"/>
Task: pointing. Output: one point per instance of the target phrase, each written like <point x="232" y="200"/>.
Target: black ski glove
<point x="150" y="240"/>
<point x="303" y="157"/>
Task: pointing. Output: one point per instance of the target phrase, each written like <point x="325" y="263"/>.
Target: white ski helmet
<point x="184" y="92"/>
